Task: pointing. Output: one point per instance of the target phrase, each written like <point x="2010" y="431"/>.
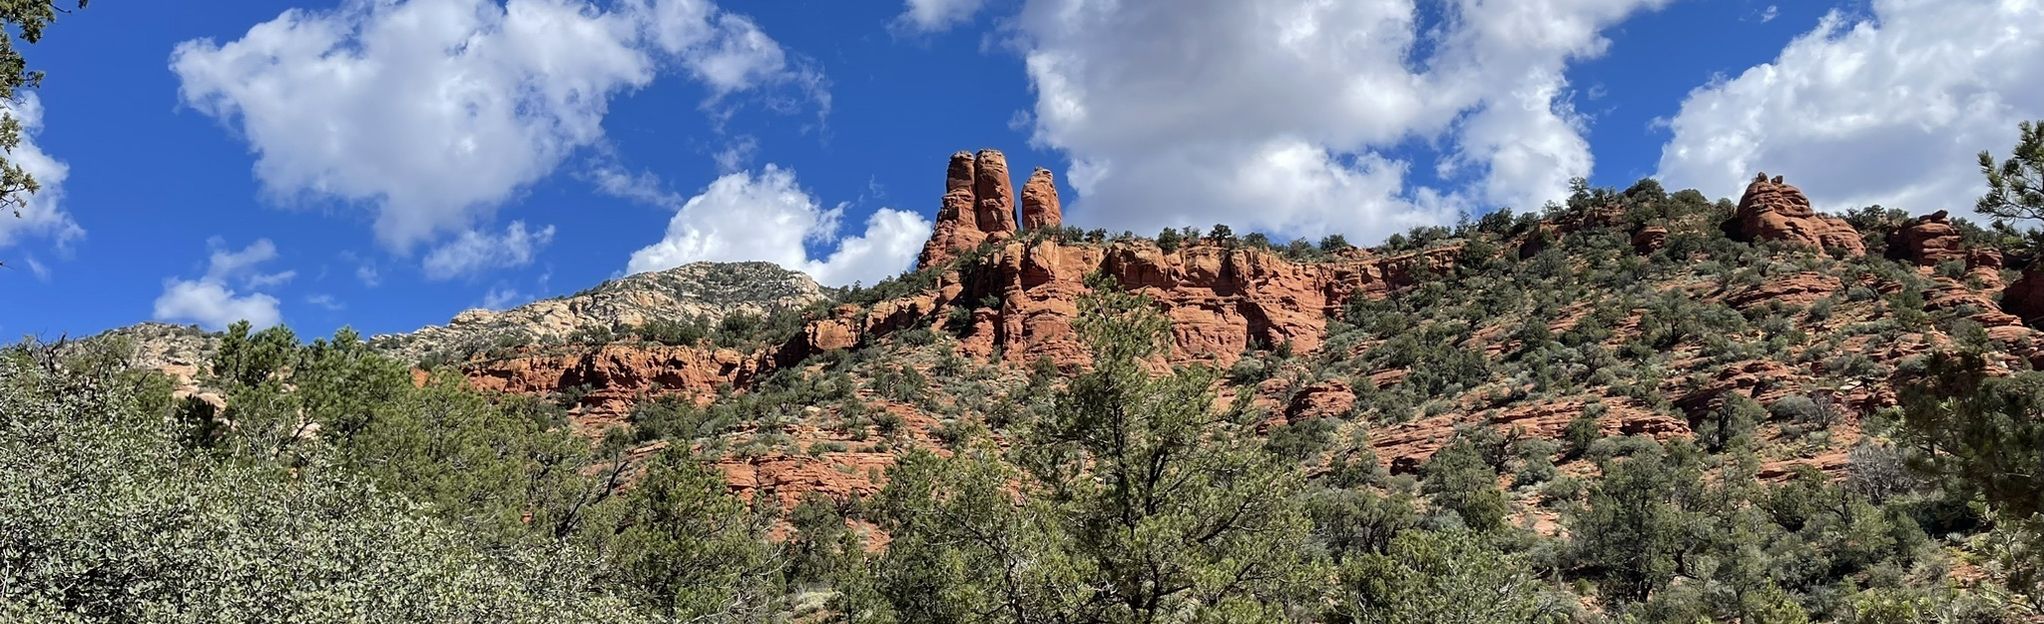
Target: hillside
<point x="701" y="294"/>
<point x="1644" y="309"/>
<point x="1754" y="351"/>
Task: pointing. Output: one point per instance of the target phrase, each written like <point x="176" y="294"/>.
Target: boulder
<point x="1774" y="211"/>
<point x="1928" y="240"/>
<point x="1649" y="239"/>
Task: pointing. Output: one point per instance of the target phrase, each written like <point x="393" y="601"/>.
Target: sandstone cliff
<point x="1040" y="207"/>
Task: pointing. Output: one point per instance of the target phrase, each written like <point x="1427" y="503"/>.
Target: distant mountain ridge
<point x="706" y="291"/>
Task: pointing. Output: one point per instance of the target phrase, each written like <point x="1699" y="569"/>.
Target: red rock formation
<point x="1771" y="210"/>
<point x="993" y="192"/>
<point x="1984" y="259"/>
<point x="957" y="225"/>
<point x="841" y="331"/>
<point x="2025" y="296"/>
<point x="978" y="204"/>
<point x="1796" y="289"/>
<point x="1650" y="239"/>
<point x="1040" y="207"/>
<point x="1220" y="300"/>
<point x="1765" y="381"/>
<point x="1928" y="240"/>
<point x="789" y="478"/>
<point x="1327" y="399"/>
<point x="1405" y="447"/>
<point x="617" y="375"/>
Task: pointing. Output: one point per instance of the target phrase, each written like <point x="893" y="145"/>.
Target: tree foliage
<point x="1455" y="577"/>
<point x="24" y="20"/>
<point x="1136" y="503"/>
<point x="2015" y="187"/>
<point x="105" y="515"/>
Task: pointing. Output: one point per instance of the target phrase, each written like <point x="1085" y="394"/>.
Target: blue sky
<point x="386" y="165"/>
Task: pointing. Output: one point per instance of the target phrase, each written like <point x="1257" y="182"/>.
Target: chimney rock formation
<point x="979" y="203"/>
<point x="996" y="194"/>
<point x="1039" y="202"/>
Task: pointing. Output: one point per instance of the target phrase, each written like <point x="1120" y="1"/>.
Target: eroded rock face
<point x="1928" y="240"/>
<point x="1040" y="207"/>
<point x="1405" y="447"/>
<point x="1650" y="239"/>
<point x="1326" y="399"/>
<point x="1221" y="300"/>
<point x="1774" y="211"/>
<point x="957" y="226"/>
<point x="978" y="204"/>
<point x="616" y="376"/>
<point x="993" y="192"/>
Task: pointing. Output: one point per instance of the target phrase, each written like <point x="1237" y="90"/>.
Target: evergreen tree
<point x="2015" y="187"/>
<point x="688" y="549"/>
<point x="23" y="20"/>
<point x="1452" y="577"/>
<point x="1140" y="504"/>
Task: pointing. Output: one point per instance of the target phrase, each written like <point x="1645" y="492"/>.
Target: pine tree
<point x="26" y="19"/>
<point x="1136" y="502"/>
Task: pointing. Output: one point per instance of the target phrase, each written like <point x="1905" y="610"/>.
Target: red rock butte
<point x="979" y="204"/>
<point x="1774" y="211"/>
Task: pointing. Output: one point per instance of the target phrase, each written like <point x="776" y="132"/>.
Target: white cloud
<point x="1173" y="112"/>
<point x="473" y="251"/>
<point x="40" y="214"/>
<point x="738" y="155"/>
<point x="724" y="50"/>
<point x="768" y="217"/>
<point x="37" y="268"/>
<point x="501" y="297"/>
<point x="434" y="111"/>
<point x="326" y="301"/>
<point x="1887" y="109"/>
<point x="225" y="264"/>
<point x="214" y="306"/>
<point x="936" y="15"/>
<point x="213" y="300"/>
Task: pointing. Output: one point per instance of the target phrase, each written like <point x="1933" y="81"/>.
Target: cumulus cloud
<point x="245" y="265"/>
<point x="432" y="112"/>
<point x="936" y="15"/>
<point x="742" y="216"/>
<point x="40" y="214"/>
<point x="474" y="251"/>
<point x="1888" y="108"/>
<point x="1278" y="115"/>
<point x="224" y="294"/>
<point x="501" y="297"/>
